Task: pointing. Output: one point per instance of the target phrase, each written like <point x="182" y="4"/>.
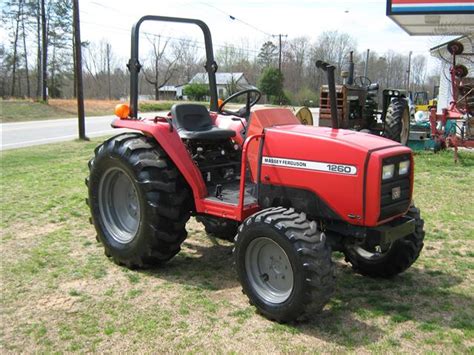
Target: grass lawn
<point x="61" y="294"/>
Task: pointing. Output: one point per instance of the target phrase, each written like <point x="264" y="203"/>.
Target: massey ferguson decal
<point x="311" y="165"/>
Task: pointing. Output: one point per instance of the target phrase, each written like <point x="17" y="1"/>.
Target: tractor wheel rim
<point x="269" y="270"/>
<point x="119" y="205"/>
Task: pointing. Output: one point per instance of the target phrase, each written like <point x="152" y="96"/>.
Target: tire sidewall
<point x="101" y="165"/>
<point x="296" y="299"/>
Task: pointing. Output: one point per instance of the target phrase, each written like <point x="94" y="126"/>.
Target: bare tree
<point x="98" y="63"/>
<point x="25" y="53"/>
<point x="418" y="70"/>
<point x="13" y="12"/>
<point x="189" y="62"/>
<point x="296" y="58"/>
<point x="334" y="47"/>
<point x="162" y="67"/>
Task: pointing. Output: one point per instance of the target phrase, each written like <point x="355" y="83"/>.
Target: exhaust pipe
<point x="350" y="80"/>
<point x="329" y="69"/>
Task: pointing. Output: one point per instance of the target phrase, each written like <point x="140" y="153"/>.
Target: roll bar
<point x="134" y="65"/>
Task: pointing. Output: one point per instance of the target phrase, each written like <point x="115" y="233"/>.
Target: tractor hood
<point x="348" y="138"/>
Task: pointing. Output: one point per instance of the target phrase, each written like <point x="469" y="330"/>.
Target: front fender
<point x="167" y="137"/>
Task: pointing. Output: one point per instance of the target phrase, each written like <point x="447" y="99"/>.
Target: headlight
<point x="387" y="171"/>
<point x="403" y="167"/>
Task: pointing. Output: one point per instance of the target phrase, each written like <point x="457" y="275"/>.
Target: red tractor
<point x="287" y="194"/>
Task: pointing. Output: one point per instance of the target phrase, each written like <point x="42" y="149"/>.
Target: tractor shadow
<point x="360" y="308"/>
<point x="204" y="263"/>
<point x="360" y="304"/>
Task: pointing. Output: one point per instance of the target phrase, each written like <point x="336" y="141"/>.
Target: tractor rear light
<point x="122" y="111"/>
<point x="403" y="167"/>
<point x="388" y="171"/>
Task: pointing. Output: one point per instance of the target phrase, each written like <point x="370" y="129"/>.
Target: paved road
<point x="25" y="134"/>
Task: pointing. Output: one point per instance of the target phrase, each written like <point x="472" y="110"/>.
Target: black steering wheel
<point x="362" y="81"/>
<point x="244" y="111"/>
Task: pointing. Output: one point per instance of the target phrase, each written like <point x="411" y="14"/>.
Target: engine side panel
<point x="330" y="169"/>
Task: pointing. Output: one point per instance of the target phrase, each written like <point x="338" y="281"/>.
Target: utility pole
<point x="78" y="70"/>
<point x="279" y="51"/>
<point x="408" y="71"/>
<point x="44" y="60"/>
<point x="39" y="80"/>
<point x="279" y="57"/>
<point x="108" y="53"/>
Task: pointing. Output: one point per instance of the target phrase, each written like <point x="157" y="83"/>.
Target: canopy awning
<point x="433" y="17"/>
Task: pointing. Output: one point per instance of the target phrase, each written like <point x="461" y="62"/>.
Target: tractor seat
<point x="193" y="121"/>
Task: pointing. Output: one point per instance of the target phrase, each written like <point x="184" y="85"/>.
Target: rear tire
<point x="284" y="264"/>
<point x="138" y="200"/>
<point x="398" y="257"/>
<point x="219" y="227"/>
<point x="397" y="121"/>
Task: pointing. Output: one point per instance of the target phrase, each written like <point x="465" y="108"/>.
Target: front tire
<point x="397" y="121"/>
<point x="138" y="200"/>
<point x="396" y="258"/>
<point x="284" y="264"/>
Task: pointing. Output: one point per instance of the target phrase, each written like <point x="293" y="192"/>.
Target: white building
<point x="224" y="82"/>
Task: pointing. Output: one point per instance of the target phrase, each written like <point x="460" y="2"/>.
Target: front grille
<point x="388" y="205"/>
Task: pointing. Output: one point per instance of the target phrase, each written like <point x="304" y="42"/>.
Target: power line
<point x="120" y="29"/>
<point x="255" y="28"/>
<point x="204" y="3"/>
<point x="236" y="19"/>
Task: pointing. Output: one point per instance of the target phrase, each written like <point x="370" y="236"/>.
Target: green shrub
<point x="306" y="97"/>
<point x="196" y="91"/>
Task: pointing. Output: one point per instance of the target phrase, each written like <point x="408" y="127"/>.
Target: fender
<point x="167" y="137"/>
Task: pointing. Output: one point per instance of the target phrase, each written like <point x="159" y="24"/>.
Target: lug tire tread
<point x="168" y="201"/>
<point x="394" y="118"/>
<point x="313" y="252"/>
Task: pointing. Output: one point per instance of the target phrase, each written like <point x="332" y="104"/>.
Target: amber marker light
<point x="122" y="111"/>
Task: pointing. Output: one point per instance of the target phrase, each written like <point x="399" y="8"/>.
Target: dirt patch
<point x="22" y="237"/>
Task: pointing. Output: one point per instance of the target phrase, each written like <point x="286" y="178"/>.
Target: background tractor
<point x="422" y="101"/>
<point x="358" y="108"/>
<point x="285" y="193"/>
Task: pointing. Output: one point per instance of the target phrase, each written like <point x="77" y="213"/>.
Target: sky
<point x="256" y="20"/>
